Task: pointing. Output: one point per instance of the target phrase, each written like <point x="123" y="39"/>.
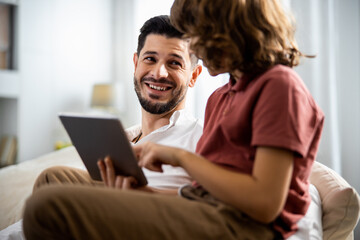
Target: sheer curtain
<point x="331" y="30"/>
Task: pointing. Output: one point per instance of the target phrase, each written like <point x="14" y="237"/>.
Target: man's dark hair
<point x="157" y="25"/>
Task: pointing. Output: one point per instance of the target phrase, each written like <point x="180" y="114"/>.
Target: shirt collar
<point x="173" y="120"/>
<point x="134" y="131"/>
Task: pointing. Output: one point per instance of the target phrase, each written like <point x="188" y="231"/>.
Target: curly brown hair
<point x="246" y="35"/>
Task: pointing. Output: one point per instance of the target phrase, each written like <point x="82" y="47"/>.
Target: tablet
<point x="97" y="137"/>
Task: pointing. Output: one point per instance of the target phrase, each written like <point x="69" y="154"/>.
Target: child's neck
<point x="236" y="75"/>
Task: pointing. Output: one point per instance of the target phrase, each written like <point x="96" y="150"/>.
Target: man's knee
<point x="40" y="212"/>
<point x="63" y="175"/>
<point x="48" y="176"/>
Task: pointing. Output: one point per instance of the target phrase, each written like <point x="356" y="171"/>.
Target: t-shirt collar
<point x="240" y="85"/>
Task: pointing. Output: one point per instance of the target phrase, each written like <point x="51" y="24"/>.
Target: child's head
<point x="246" y="35"/>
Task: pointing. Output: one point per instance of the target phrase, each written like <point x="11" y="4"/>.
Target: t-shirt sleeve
<point x="284" y="115"/>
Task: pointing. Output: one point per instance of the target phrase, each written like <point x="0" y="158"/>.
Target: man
<point x="164" y="69"/>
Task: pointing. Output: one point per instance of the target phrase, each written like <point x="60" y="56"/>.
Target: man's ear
<point x="196" y="72"/>
<point x="135" y="60"/>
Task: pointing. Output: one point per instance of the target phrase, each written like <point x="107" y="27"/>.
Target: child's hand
<point x="152" y="156"/>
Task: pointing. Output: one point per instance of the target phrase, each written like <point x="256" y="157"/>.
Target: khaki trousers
<point x="67" y="204"/>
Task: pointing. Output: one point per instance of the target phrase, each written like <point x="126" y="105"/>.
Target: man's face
<point x="163" y="73"/>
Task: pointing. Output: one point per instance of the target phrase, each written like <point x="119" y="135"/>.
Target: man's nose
<point x="160" y="71"/>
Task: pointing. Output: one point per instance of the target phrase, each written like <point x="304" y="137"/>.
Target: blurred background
<point x="76" y="56"/>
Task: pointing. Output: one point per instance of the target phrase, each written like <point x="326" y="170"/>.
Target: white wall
<point x="125" y="43"/>
<point x="64" y="47"/>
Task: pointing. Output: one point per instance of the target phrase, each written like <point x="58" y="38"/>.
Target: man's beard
<point x="159" y="108"/>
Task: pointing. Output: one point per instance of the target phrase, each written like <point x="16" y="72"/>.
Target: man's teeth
<point x="157" y="88"/>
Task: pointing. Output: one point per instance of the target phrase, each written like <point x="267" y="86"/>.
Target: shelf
<point x="13" y="2"/>
<point x="9" y="84"/>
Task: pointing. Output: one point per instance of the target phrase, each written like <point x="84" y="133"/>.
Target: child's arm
<point x="261" y="195"/>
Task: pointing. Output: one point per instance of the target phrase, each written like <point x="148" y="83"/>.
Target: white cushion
<point x="310" y="226"/>
<point x="13" y="232"/>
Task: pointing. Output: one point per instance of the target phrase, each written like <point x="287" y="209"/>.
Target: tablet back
<point x="97" y="137"/>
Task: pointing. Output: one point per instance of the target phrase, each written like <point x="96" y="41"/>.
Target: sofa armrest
<point x="340" y="203"/>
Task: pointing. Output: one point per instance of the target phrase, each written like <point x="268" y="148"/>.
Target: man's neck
<point x="150" y="122"/>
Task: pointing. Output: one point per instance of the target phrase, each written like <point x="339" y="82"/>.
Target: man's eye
<point x="176" y="63"/>
<point x="151" y="59"/>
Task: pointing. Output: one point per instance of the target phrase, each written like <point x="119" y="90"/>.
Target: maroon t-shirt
<point x="274" y="109"/>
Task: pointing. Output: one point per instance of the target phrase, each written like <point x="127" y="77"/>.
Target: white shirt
<point x="183" y="131"/>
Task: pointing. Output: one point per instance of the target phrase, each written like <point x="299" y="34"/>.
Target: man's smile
<point x="158" y="86"/>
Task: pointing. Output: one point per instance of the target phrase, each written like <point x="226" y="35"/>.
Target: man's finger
<point x="102" y="170"/>
<point x="129" y="182"/>
<point x="110" y="172"/>
<point x="119" y="182"/>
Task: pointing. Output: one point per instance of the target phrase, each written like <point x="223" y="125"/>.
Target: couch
<point x="339" y="201"/>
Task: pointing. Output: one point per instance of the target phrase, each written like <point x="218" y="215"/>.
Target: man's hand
<point x="109" y="177"/>
<point x="112" y="180"/>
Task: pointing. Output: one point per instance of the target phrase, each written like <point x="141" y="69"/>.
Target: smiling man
<point x="160" y="71"/>
<point x="164" y="69"/>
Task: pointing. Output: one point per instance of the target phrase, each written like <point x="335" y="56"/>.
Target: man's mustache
<point x="161" y="80"/>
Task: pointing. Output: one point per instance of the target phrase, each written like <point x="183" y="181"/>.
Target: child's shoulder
<point x="280" y="71"/>
<point x="281" y="75"/>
